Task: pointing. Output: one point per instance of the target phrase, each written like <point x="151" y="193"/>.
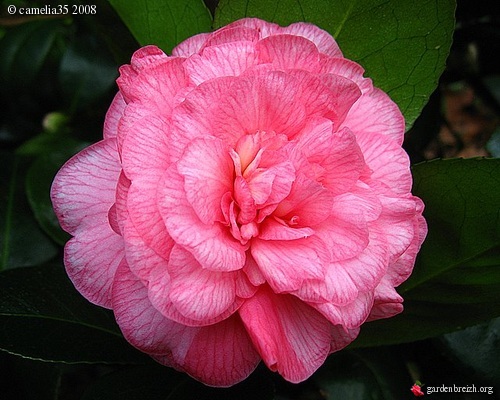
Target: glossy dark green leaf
<point x="456" y="280"/>
<point x="43" y="317"/>
<point x="476" y="350"/>
<point x="402" y="45"/>
<point x="164" y="23"/>
<point x="162" y="383"/>
<point x="22" y="242"/>
<point x="365" y="374"/>
<point x="87" y="72"/>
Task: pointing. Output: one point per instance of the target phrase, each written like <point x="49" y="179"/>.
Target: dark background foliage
<point x="56" y="81"/>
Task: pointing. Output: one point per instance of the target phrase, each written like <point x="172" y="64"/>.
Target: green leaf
<point x="456" y="279"/>
<point x="476" y="350"/>
<point x="164" y="23"/>
<point x="22" y="242"/>
<point x="364" y="374"/>
<point x="43" y="317"/>
<point x="402" y="45"/>
<point x="157" y="382"/>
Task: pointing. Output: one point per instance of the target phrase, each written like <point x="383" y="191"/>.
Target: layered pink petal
<point x="207" y="169"/>
<point x="144" y="214"/>
<point x="344" y="239"/>
<point x="230" y="34"/>
<point x="84" y="189"/>
<point x="200" y="294"/>
<point x="221" y="354"/>
<point x="387" y="302"/>
<point x="287" y="263"/>
<point x="212" y="245"/>
<point x="375" y="114"/>
<point x="341" y="337"/>
<point x="322" y="39"/>
<point x="228" y="59"/>
<point x="91" y="259"/>
<point x="308" y="204"/>
<point x="350" y="315"/>
<point x="288" y="52"/>
<point x="144" y="145"/>
<point x="388" y="162"/>
<point x="263" y="28"/>
<point x="142" y="325"/>
<point x="158" y="84"/>
<point x="113" y="116"/>
<point x="190" y="46"/>
<point x="290" y="336"/>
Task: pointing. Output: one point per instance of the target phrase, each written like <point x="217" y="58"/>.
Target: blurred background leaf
<point x="402" y="45"/>
<point x="164" y="23"/>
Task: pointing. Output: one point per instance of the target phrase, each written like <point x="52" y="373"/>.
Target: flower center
<point x="258" y="166"/>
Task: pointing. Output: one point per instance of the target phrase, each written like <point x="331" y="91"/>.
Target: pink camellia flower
<point x="250" y="201"/>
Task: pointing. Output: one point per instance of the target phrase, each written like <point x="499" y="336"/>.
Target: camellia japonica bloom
<point x="250" y="200"/>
